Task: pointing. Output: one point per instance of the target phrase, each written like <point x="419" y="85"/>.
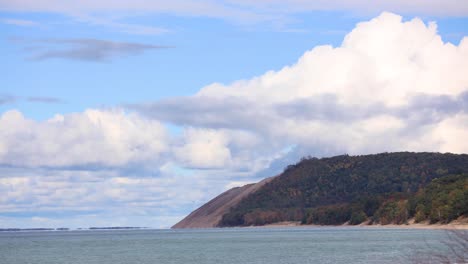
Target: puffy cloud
<point x="225" y="150"/>
<point x="389" y="85"/>
<point x="204" y="149"/>
<point x="451" y="134"/>
<point x="383" y="59"/>
<point x="92" y="138"/>
<point x="101" y="198"/>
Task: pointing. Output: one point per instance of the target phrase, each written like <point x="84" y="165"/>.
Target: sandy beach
<point x="457" y="224"/>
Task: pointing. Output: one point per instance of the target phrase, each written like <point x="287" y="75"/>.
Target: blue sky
<point x="135" y="113"/>
<point x="206" y="50"/>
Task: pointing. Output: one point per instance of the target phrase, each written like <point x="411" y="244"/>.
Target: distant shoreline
<point x="70" y="229"/>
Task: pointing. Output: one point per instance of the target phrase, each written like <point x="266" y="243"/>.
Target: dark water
<point x="248" y="245"/>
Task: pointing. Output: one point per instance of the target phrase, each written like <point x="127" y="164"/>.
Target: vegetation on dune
<point x="383" y="188"/>
<point x="443" y="200"/>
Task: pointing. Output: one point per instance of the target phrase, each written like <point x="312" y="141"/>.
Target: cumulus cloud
<point x="129" y="142"/>
<point x="94" y="137"/>
<point x="204" y="149"/>
<point x="384" y="59"/>
<point x="225" y="150"/>
<point x="86" y="49"/>
<point x="390" y="86"/>
<point x="83" y="198"/>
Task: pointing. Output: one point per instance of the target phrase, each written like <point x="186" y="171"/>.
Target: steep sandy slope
<point x="211" y="213"/>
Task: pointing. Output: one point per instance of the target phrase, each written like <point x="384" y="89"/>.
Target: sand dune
<point x="210" y="214"/>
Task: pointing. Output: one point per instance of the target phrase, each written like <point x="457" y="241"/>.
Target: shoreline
<point x="451" y="226"/>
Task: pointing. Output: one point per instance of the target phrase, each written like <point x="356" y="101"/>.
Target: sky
<point x="135" y="113"/>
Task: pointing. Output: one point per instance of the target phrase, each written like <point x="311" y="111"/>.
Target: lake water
<point x="237" y="245"/>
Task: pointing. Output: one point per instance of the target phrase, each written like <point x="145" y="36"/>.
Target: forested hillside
<point x="382" y="188"/>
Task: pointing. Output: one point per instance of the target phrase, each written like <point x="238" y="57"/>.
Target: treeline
<point x="382" y="188"/>
<point x="443" y="200"/>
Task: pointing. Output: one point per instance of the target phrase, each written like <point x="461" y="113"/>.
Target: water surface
<point x="218" y="246"/>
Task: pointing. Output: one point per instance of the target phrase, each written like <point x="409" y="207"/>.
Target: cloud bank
<point x="392" y="85"/>
<point x="103" y="138"/>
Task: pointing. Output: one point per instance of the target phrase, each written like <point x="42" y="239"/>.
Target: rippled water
<point x="247" y="245"/>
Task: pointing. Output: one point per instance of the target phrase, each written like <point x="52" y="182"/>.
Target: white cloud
<point x="204" y="149"/>
<point x="383" y="59"/>
<point x="94" y="137"/>
<point x="452" y="134"/>
<point x="106" y="197"/>
<point x="389" y="85"/>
